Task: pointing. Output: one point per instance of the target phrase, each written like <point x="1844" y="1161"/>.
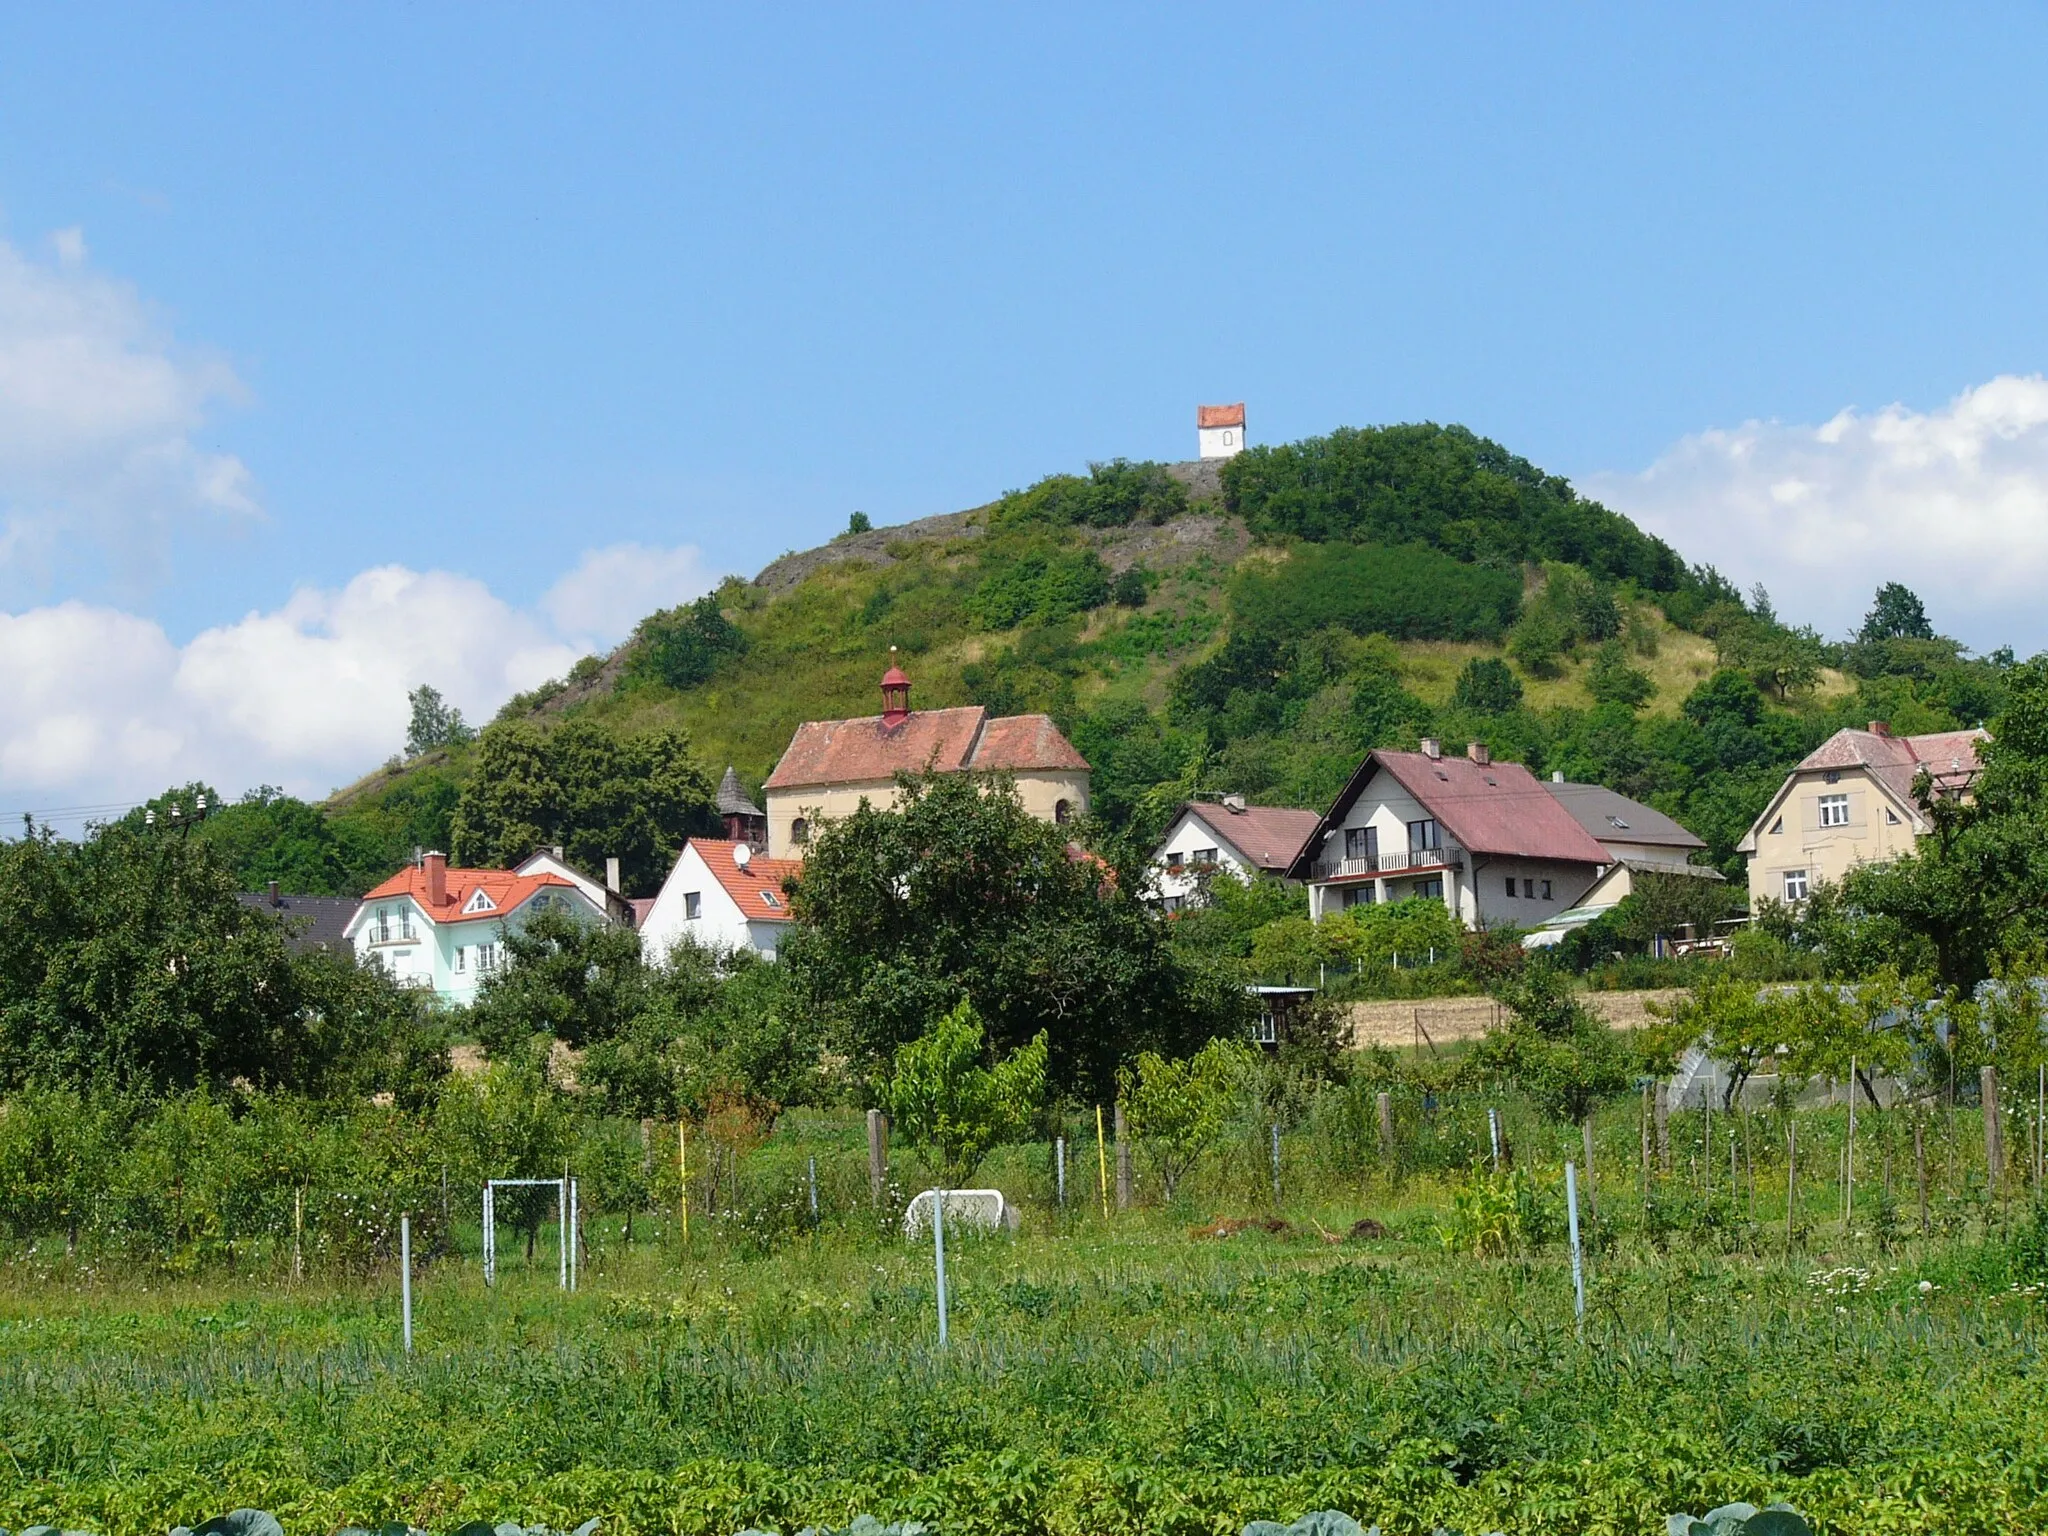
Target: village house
<point x="444" y="929"/>
<point x="1850" y="801"/>
<point x="723" y="895"/>
<point x="832" y="766"/>
<point x="1492" y="842"/>
<point x="1227" y="836"/>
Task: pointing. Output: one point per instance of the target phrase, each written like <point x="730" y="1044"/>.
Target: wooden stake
<point x="1101" y="1163"/>
<point x="878" y="1157"/>
<point x="1920" y="1168"/>
<point x="683" y="1173"/>
<point x="1994" y="1139"/>
<point x="1123" y="1161"/>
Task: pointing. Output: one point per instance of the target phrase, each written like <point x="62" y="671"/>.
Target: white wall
<point x="1188" y="835"/>
<point x="1220" y="442"/>
<point x="1568" y="883"/>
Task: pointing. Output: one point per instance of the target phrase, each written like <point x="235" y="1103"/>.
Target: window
<point x="1267" y="1031"/>
<point x="486" y="957"/>
<point x="800" y="831"/>
<point x="1544" y="888"/>
<point x="1361" y="842"/>
<point x="772" y="901"/>
<point x="1529" y="889"/>
<point x="1430" y="890"/>
<point x="1205" y="855"/>
<point x="1422" y="834"/>
<point x="693" y="906"/>
<point x="380" y="931"/>
<point x="1834" y="810"/>
<point x="1175" y="860"/>
<point x="461" y="959"/>
<point x="1831" y="778"/>
<point x="405" y="922"/>
<point x="1359" y="896"/>
<point x="1795" y="885"/>
<point x="1891" y="817"/>
<point x="1511" y="885"/>
<point x="1777" y="826"/>
<point x="1060" y="812"/>
<point x="481" y="902"/>
<point x="1171" y="903"/>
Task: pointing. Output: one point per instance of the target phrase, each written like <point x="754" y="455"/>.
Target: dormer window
<point x="481" y="902"/>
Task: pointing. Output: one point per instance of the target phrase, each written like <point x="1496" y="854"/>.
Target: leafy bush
<point x="1442" y="486"/>
<point x="1408" y="591"/>
<point x="1042" y="585"/>
<point x="1111" y="495"/>
<point x="680" y="647"/>
<point x="1486" y="686"/>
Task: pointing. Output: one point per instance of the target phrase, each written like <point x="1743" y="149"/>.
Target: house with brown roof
<point x="1489" y="840"/>
<point x="1850" y="801"/>
<point x="722" y="895"/>
<point x="1226" y="835"/>
<point x="832" y="766"/>
<point x="444" y="929"/>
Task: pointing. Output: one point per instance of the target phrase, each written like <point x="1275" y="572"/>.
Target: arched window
<point x="1061" y="812"/>
<point x="800" y="831"/>
<point x="1229" y="438"/>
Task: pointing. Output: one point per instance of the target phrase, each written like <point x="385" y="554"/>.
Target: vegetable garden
<point x="1392" y="1336"/>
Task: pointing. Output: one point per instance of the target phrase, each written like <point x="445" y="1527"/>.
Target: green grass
<point x="1104" y="1376"/>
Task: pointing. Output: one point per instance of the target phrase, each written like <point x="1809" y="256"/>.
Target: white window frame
<point x="1796" y="878"/>
<point x="1834" y="809"/>
<point x="693" y="906"/>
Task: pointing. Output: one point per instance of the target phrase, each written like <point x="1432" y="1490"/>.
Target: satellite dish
<point x="742" y="855"/>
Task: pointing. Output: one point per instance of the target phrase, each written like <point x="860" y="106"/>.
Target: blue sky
<point x="472" y="296"/>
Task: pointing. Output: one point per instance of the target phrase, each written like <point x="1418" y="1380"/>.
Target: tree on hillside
<point x="435" y="723"/>
<point x="1896" y="615"/>
<point x="958" y="893"/>
<point x="1487" y="686"/>
<point x="597" y="794"/>
<point x="681" y="647"/>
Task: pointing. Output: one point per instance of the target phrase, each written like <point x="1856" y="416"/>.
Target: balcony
<point x="1441" y="856"/>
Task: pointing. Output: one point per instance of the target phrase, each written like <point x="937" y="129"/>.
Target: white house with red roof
<point x="1850" y="801"/>
<point x="1227" y="835"/>
<point x="1219" y="430"/>
<point x="722" y="895"/>
<point x="832" y="766"/>
<point x="441" y="928"/>
<point x="1489" y="840"/>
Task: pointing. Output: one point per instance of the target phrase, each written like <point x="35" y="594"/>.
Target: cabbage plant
<point x="1741" y="1520"/>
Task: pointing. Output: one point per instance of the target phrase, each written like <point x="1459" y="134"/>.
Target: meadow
<point x="1105" y="1373"/>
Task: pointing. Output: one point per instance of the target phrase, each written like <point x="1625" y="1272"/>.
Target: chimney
<point x="436" y="867"/>
<point x="1477" y="751"/>
<point x="611" y="876"/>
<point x="1234" y="804"/>
<point x="1880" y="727"/>
<point x="557" y="852"/>
<point x="275" y="899"/>
<point x="1557" y="775"/>
<point x="1432" y="748"/>
<point x="895" y="694"/>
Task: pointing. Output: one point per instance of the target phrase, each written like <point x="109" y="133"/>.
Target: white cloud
<point x="1952" y="502"/>
<point x="98" y="706"/>
<point x="612" y="589"/>
<point x="98" y="415"/>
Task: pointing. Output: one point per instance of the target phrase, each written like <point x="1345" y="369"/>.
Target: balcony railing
<point x="1441" y="856"/>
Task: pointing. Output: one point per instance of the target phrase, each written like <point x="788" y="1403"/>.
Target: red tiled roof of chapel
<point x="872" y="750"/>
<point x="1220" y="415"/>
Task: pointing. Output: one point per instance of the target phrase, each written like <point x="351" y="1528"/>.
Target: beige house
<point x="831" y="766"/>
<point x="1851" y="802"/>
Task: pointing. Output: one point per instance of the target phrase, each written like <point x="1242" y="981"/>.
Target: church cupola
<point x="895" y="694"/>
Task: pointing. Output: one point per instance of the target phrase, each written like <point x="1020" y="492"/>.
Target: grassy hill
<point x="1252" y="627"/>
